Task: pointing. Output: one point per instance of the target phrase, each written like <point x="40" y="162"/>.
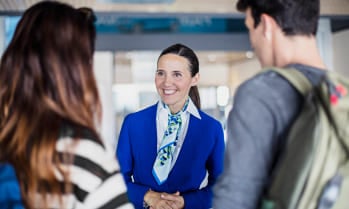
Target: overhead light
<point x="137" y="1"/>
<point x="222" y="95"/>
<point x="249" y="54"/>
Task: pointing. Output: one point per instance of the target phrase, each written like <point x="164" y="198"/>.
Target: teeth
<point x="169" y="91"/>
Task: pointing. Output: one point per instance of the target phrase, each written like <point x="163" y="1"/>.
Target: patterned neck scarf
<point x="163" y="162"/>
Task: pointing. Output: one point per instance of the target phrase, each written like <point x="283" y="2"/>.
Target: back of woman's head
<point x="46" y="77"/>
<point x="189" y="54"/>
<point x="48" y="64"/>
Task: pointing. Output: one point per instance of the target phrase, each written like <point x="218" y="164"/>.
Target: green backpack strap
<point x="296" y="78"/>
<point x="291" y="173"/>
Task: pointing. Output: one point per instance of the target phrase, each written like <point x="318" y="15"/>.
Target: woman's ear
<point x="195" y="79"/>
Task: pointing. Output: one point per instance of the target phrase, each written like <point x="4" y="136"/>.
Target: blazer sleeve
<point x="203" y="197"/>
<point x="135" y="192"/>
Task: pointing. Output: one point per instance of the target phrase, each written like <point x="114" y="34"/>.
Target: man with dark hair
<point x="282" y="34"/>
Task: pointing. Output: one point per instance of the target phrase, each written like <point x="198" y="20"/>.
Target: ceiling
<point x="328" y="7"/>
<point x="337" y="10"/>
<point x="153" y="24"/>
<point x="118" y="21"/>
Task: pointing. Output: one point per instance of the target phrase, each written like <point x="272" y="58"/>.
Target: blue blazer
<point x="202" y="150"/>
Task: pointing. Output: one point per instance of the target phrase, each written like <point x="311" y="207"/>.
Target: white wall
<point x="103" y="67"/>
<point x="213" y="74"/>
<point x="242" y="71"/>
<point x="324" y="42"/>
<point x="341" y="52"/>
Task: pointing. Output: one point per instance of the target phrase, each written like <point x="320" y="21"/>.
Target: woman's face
<point x="173" y="80"/>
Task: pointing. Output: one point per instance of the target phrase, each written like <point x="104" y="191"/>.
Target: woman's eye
<point x="159" y="73"/>
<point x="178" y="75"/>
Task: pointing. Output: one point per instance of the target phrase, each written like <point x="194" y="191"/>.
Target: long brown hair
<point x="46" y="78"/>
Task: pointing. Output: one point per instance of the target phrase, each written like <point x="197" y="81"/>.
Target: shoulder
<point x="265" y="97"/>
<point x="88" y="161"/>
<point x="208" y="124"/>
<point x="206" y="118"/>
<point x="69" y="130"/>
<point x="267" y="88"/>
<point x="88" y="151"/>
<point x="95" y="164"/>
<point x="264" y="81"/>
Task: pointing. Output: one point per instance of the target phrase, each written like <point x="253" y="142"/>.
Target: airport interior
<point x="132" y="33"/>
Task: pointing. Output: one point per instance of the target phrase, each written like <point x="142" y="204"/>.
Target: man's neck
<point x="302" y="50"/>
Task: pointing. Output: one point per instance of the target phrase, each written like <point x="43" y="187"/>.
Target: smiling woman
<point x="171" y="152"/>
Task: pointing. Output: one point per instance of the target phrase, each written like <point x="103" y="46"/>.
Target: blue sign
<point x="10" y="27"/>
<point x="173" y="25"/>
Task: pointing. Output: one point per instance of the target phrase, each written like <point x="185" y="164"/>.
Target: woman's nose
<point x="168" y="80"/>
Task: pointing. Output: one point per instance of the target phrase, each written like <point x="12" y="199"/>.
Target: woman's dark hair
<point x="189" y="54"/>
<point x="46" y="79"/>
<point x="295" y="17"/>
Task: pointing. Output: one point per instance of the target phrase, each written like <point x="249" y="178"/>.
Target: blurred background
<point x="132" y="33"/>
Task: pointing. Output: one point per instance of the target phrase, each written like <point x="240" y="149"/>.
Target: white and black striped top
<point x="95" y="175"/>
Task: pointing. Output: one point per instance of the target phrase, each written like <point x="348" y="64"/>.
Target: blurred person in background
<point x="171" y="153"/>
<point x="50" y="111"/>
<point x="282" y="34"/>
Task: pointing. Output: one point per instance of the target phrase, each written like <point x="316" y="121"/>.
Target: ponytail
<point x="195" y="96"/>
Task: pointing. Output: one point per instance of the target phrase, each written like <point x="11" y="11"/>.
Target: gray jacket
<point x="264" y="108"/>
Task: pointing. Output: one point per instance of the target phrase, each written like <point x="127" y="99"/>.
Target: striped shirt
<point x="95" y="175"/>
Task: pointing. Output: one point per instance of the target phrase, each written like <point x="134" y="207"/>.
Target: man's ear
<point x="268" y="23"/>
